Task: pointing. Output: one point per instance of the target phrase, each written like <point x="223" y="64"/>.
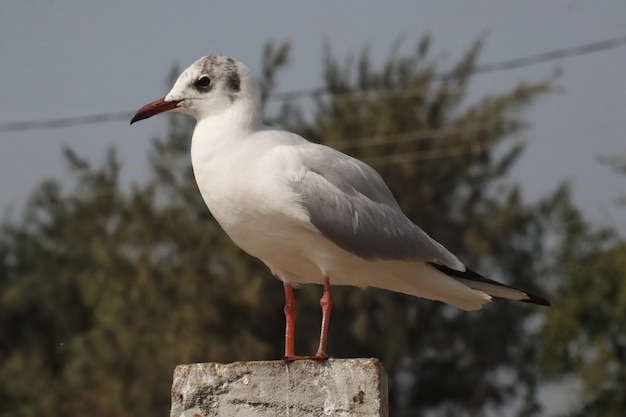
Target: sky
<point x="69" y="57"/>
<point x="66" y="57"/>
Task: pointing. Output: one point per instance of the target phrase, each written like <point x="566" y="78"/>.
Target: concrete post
<point x="337" y="387"/>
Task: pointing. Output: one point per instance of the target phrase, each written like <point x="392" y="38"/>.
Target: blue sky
<point x="66" y="57"/>
<point x="63" y="57"/>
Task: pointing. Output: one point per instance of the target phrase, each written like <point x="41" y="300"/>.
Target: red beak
<point x="156" y="107"/>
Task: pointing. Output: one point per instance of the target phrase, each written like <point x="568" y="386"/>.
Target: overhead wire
<point x="475" y="147"/>
<point x="505" y="65"/>
<point x="65" y="120"/>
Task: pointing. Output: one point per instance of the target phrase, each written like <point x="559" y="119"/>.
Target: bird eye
<point x="202" y="82"/>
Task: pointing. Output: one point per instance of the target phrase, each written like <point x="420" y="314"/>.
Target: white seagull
<point x="310" y="213"/>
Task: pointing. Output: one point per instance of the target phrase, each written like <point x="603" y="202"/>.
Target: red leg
<point x="290" y="320"/>
<point x="326" y="303"/>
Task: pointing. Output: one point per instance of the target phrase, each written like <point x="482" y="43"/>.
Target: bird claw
<point x="318" y="358"/>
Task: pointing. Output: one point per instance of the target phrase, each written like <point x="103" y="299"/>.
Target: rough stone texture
<point x="337" y="387"/>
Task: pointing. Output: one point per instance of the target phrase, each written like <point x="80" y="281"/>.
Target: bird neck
<point x="217" y="135"/>
<point x="243" y="116"/>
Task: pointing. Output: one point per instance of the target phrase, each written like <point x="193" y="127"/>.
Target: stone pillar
<point x="337" y="387"/>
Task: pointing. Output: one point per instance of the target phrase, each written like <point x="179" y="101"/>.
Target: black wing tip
<point x="535" y="299"/>
<point x="474" y="276"/>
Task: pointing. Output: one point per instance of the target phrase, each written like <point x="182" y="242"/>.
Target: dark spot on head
<point x="209" y="62"/>
<point x="233" y="82"/>
<point x="222" y="71"/>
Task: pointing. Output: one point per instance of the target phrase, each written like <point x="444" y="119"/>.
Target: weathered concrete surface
<point x="337" y="387"/>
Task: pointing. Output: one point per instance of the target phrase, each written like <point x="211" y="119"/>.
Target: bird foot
<point x="318" y="358"/>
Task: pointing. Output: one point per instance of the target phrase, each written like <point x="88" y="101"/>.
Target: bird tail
<point x="493" y="288"/>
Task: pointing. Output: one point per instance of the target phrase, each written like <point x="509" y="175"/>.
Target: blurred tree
<point x="103" y="290"/>
<point x="585" y="337"/>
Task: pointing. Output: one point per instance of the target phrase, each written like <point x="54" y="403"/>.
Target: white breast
<point x="245" y="185"/>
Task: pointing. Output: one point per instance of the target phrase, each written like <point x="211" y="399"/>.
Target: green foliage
<point x="587" y="334"/>
<point x="105" y="289"/>
<point x="274" y="57"/>
<point x="585" y="337"/>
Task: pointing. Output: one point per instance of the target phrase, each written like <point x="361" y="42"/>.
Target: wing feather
<point x="350" y="204"/>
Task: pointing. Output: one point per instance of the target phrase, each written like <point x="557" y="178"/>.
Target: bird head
<point x="210" y="86"/>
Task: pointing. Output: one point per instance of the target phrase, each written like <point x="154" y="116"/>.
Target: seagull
<point x="311" y="213"/>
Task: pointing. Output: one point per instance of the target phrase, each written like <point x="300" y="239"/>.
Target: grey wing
<point x="350" y="204"/>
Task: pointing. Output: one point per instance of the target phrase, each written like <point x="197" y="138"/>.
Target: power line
<point x="586" y="49"/>
<point x="64" y="121"/>
<point x="506" y="65"/>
